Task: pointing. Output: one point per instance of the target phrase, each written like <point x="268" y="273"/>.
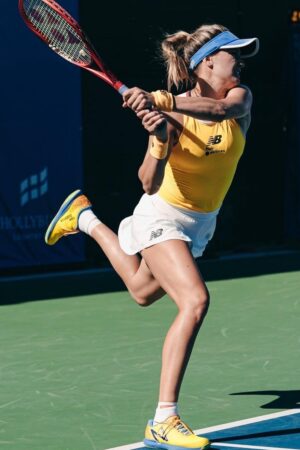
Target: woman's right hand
<point x="137" y="99"/>
<point x="155" y="123"/>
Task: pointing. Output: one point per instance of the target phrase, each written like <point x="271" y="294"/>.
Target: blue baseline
<point x="282" y="432"/>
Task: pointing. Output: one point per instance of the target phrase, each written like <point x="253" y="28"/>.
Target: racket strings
<point x="60" y="35"/>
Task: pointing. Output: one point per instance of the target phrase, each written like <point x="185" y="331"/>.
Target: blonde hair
<point x="178" y="48"/>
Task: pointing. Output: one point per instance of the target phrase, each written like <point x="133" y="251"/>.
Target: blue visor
<point x="224" y="40"/>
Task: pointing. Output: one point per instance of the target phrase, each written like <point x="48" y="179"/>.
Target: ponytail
<point x="177" y="50"/>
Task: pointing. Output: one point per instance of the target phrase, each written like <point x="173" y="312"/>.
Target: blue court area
<point x="278" y="431"/>
<point x="274" y="433"/>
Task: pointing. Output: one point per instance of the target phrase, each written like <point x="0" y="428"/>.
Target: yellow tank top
<point x="202" y="165"/>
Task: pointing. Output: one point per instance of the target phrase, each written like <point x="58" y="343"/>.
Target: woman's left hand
<point x="155" y="123"/>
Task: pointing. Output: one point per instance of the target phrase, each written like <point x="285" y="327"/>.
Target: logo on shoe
<point x="157" y="435"/>
<point x="68" y="218"/>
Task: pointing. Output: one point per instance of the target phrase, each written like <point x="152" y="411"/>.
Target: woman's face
<point x="227" y="66"/>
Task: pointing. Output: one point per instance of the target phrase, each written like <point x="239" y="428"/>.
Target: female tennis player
<point x="196" y="141"/>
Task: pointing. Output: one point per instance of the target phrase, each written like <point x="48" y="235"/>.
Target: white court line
<point x="253" y="447"/>
<point x="225" y="426"/>
<point x="129" y="447"/>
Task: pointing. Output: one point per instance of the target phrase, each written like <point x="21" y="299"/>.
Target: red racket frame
<point x="99" y="69"/>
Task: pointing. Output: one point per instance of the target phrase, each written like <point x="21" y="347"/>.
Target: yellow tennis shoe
<point x="173" y="434"/>
<point x="66" y="220"/>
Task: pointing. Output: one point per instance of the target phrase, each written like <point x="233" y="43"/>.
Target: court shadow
<point x="47" y="283"/>
<point x="283" y="400"/>
<point x="58" y="285"/>
<point x="248" y="265"/>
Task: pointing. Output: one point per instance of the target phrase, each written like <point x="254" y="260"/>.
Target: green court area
<point x="81" y="373"/>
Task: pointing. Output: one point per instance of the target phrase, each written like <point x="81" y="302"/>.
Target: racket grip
<point x="122" y="89"/>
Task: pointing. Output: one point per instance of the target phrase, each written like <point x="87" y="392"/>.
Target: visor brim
<point x="252" y="43"/>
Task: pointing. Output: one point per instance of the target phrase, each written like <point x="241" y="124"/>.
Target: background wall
<point x="128" y="36"/>
<point x="41" y="148"/>
<point x="53" y="114"/>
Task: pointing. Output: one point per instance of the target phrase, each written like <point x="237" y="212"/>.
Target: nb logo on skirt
<point x="156" y="233"/>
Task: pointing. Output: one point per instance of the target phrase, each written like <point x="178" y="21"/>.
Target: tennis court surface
<point x="81" y="373"/>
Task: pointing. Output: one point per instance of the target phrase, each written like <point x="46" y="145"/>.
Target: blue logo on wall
<point x="34" y="187"/>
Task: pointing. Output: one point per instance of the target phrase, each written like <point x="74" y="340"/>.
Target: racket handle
<point x="122" y="89"/>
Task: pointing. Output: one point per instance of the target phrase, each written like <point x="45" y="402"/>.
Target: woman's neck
<point x="205" y="89"/>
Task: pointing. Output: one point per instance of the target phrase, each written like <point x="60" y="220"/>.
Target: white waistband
<point x="162" y="204"/>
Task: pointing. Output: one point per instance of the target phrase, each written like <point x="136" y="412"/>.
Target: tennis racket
<point x="57" y="28"/>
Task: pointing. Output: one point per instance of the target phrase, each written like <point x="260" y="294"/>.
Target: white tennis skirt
<point x="154" y="221"/>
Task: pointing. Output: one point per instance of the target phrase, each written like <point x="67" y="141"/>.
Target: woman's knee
<point x="196" y="305"/>
<point x="145" y="300"/>
<point x="142" y="301"/>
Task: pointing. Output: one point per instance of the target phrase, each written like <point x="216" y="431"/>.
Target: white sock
<point x="87" y="221"/>
<point x="165" y="410"/>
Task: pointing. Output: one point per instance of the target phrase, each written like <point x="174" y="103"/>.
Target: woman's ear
<point x="209" y="61"/>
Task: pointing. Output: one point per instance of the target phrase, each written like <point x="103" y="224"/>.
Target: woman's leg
<point x="165" y="267"/>
<point x="141" y="284"/>
<point x="174" y="267"/>
<point x="75" y="215"/>
<point x="175" y="272"/>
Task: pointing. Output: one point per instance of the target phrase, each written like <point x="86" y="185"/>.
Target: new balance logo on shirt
<point x="213" y="140"/>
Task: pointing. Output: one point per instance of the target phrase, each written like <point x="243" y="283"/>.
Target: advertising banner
<point x="41" y="151"/>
